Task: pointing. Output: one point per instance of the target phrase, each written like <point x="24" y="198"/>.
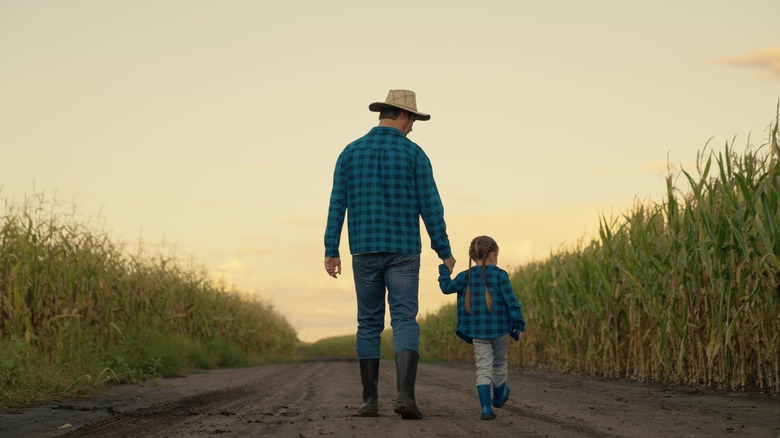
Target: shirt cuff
<point x="444" y="254"/>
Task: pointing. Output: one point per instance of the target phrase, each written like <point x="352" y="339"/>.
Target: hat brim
<point x="378" y="106"/>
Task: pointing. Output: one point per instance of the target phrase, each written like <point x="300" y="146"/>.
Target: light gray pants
<point x="490" y="355"/>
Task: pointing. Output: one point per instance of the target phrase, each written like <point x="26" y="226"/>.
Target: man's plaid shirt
<point x="506" y="311"/>
<point x="385" y="183"/>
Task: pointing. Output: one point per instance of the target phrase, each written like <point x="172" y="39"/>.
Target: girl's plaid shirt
<point x="506" y="312"/>
<point x="385" y="183"/>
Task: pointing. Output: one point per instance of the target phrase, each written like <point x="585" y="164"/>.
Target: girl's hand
<point x="514" y="330"/>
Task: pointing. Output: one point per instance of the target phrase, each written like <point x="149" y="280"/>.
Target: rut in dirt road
<point x="320" y="399"/>
<point x="265" y="400"/>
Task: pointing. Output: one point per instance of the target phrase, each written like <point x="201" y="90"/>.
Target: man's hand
<point x="333" y="266"/>
<point x="450" y="264"/>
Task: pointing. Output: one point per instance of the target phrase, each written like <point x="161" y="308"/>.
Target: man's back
<point x="385" y="182"/>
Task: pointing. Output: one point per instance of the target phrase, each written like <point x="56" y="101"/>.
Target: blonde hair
<point x="479" y="250"/>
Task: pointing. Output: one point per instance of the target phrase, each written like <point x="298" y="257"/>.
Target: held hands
<point x="450" y="264"/>
<point x="333" y="266"/>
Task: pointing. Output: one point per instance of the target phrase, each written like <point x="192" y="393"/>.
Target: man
<point x="386" y="183"/>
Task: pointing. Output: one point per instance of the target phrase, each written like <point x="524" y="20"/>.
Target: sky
<point x="209" y="129"/>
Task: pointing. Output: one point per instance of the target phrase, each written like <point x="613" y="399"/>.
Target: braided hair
<point x="479" y="250"/>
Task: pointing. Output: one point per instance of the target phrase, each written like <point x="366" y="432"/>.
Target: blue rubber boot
<point x="484" y="400"/>
<point x="500" y="395"/>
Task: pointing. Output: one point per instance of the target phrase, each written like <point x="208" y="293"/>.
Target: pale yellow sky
<point x="214" y="126"/>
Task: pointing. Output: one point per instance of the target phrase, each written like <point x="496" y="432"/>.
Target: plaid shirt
<point x="506" y="312"/>
<point x="386" y="183"/>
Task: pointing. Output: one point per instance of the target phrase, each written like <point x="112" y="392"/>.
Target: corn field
<point x="683" y="291"/>
<point x="72" y="302"/>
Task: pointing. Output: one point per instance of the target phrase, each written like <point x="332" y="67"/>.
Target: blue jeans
<point x="399" y="275"/>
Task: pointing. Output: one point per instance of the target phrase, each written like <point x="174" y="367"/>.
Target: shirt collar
<point x="386" y="130"/>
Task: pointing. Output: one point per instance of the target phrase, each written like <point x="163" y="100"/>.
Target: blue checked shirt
<point x="385" y="183"/>
<point x="480" y="324"/>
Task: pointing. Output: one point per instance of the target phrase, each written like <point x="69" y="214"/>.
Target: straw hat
<point x="403" y="99"/>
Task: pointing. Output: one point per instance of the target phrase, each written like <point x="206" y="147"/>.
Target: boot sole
<point x="367" y="414"/>
<point x="368" y="411"/>
<point x="408" y="413"/>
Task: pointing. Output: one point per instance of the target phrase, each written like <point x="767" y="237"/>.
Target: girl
<point x="488" y="314"/>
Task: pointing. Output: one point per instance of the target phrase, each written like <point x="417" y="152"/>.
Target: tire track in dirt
<point x="142" y="420"/>
<point x="212" y="407"/>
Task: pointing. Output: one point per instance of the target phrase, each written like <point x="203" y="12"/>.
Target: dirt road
<point x="319" y="399"/>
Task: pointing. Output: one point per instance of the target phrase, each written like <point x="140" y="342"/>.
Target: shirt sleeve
<point x="445" y="281"/>
<point x="336" y="210"/>
<point x="447" y="284"/>
<point x="431" y="208"/>
<point x="513" y="304"/>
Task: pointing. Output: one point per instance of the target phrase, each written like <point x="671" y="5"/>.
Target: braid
<point x="468" y="289"/>
<point x="481" y="247"/>
<point x="488" y="296"/>
<point x="472" y="257"/>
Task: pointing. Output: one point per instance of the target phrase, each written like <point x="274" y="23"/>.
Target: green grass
<point x="77" y="313"/>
